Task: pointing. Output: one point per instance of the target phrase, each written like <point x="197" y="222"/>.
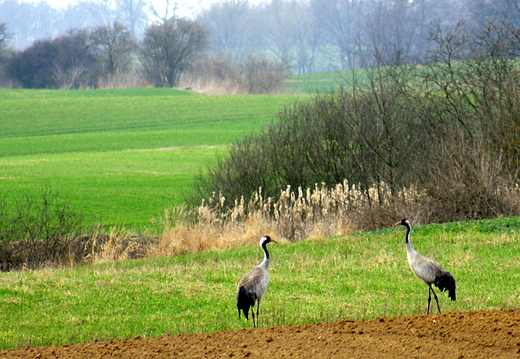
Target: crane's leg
<point x="253" y="314"/>
<point x="429" y="299"/>
<point x="257" y="312"/>
<point x="436" y="299"/>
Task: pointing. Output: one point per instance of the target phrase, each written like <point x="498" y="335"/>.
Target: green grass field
<point x="324" y="82"/>
<point x="120" y="157"/>
<point x="357" y="276"/>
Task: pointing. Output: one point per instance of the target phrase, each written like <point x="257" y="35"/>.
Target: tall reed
<point x="295" y="215"/>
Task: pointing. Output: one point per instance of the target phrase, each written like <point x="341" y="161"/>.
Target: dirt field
<point x="494" y="334"/>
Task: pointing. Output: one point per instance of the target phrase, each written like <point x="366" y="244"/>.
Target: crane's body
<point x="253" y="285"/>
<point x="428" y="270"/>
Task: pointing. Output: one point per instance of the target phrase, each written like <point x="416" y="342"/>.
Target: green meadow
<point x="120" y="157"/>
<point x="325" y="82"/>
<point x="357" y="276"/>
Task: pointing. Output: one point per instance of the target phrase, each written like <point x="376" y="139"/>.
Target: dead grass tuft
<point x="296" y="215"/>
<point x="118" y="245"/>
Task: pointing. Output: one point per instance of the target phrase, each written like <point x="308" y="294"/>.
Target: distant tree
<point x="396" y="32"/>
<point x="339" y="23"/>
<point x="170" y="49"/>
<point x="34" y="67"/>
<point x="76" y="64"/>
<point x="5" y="53"/>
<point x="4" y="41"/>
<point x="133" y="14"/>
<point x="481" y="11"/>
<point x="233" y="29"/>
<point x="85" y="14"/>
<point x="28" y="21"/>
<point x="288" y="32"/>
<point x="116" y="46"/>
<point x="69" y="61"/>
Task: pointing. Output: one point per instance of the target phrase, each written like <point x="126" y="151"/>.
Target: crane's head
<point x="404" y="222"/>
<point x="265" y="240"/>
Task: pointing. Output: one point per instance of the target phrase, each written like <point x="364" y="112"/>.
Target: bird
<point x="253" y="285"/>
<point x="428" y="270"/>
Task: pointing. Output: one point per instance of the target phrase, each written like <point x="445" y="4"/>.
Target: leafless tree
<point x="116" y="46"/>
<point x="5" y="36"/>
<point x="339" y="23"/>
<point x="169" y="49"/>
<point x="230" y="23"/>
<point x="288" y="33"/>
<point x="75" y="64"/>
<point x="133" y="14"/>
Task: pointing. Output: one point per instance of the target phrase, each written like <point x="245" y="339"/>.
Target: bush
<point x="262" y="76"/>
<point x="39" y="231"/>
<point x="454" y="143"/>
<point x="217" y="75"/>
<point x="330" y="139"/>
<point x="214" y="75"/>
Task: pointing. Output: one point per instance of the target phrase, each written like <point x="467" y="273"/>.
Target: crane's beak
<point x="396" y="224"/>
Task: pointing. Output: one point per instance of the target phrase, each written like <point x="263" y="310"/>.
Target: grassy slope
<point x="83" y="143"/>
<point x="356" y="276"/>
<point x="320" y="82"/>
<point x="325" y="82"/>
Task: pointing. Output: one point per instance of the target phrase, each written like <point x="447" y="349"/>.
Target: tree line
<point x="86" y="58"/>
<point x="109" y="56"/>
<point x="302" y="36"/>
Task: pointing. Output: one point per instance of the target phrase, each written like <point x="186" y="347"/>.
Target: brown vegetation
<point x="218" y="76"/>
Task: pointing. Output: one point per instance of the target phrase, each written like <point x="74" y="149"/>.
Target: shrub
<point x="262" y="76"/>
<point x="41" y="230"/>
<point x="217" y="75"/>
<point x="455" y="143"/>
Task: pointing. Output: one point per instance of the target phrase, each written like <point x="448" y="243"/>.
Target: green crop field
<point x="120" y="157"/>
<point x="325" y="82"/>
<point x="350" y="277"/>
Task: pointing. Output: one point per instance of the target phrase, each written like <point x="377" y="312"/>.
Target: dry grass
<point x="296" y="215"/>
<point x="126" y="80"/>
<point x="218" y="76"/>
<point x="211" y="86"/>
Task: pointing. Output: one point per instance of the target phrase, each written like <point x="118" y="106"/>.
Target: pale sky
<point x="185" y="7"/>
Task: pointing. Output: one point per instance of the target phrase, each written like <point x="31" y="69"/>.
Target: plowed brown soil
<point x="493" y="334"/>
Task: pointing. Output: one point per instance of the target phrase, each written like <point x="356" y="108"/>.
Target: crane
<point x="254" y="284"/>
<point x="428" y="270"/>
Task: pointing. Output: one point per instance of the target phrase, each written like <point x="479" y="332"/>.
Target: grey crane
<point x="427" y="270"/>
<point x="254" y="284"/>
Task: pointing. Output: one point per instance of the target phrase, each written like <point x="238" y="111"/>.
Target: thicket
<point x="438" y="142"/>
<point x="41" y="230"/>
<point x="217" y="75"/>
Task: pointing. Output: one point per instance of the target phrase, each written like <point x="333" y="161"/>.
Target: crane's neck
<point x="408" y="230"/>
<point x="265" y="262"/>
<point x="409" y="247"/>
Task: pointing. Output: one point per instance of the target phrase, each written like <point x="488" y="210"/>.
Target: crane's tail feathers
<point x="445" y="281"/>
<point x="245" y="300"/>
